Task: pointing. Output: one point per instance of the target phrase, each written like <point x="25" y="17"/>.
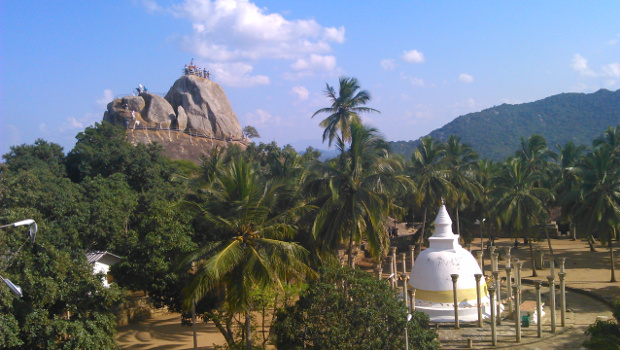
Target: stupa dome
<point x="431" y="272"/>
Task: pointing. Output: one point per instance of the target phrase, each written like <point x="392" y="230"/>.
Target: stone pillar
<point x="562" y="263"/>
<point x="552" y="301"/>
<point x="478" y="276"/>
<point x="497" y="295"/>
<point x="552" y="267"/>
<point x="455" y="277"/>
<point x="509" y="288"/>
<point x="538" y="310"/>
<point x="412" y="255"/>
<point x="508" y="256"/>
<point x="562" y="296"/>
<point x="493" y="327"/>
<point x="517" y="292"/>
<point x="405" y="278"/>
<point x="411" y="300"/>
<point x="514" y="269"/>
<point x="495" y="261"/>
<point x="479" y="258"/>
<point x="394" y="262"/>
<point x="403" y="256"/>
<point x="519" y="266"/>
<point x="392" y="273"/>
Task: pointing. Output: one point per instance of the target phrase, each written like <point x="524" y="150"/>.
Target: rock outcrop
<point x="206" y="106"/>
<point x="194" y="116"/>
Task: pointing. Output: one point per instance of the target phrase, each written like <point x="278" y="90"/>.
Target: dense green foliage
<point x="350" y="309"/>
<point x="605" y="334"/>
<point x="243" y="232"/>
<point x="495" y="132"/>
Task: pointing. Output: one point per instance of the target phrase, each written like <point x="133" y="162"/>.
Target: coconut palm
<point x="535" y="154"/>
<point x="353" y="193"/>
<point x="520" y="202"/>
<point x="459" y="161"/>
<point x="569" y="156"/>
<point x="431" y="178"/>
<point x="256" y="251"/>
<point x="346" y="105"/>
<point x="599" y="205"/>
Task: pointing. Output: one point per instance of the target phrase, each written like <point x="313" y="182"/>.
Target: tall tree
<point x="344" y="110"/>
<point x="432" y="182"/>
<point x="599" y="193"/>
<point x="353" y="193"/>
<point x="459" y="160"/>
<point x="254" y="252"/>
<point x="569" y="156"/>
<point x="520" y="202"/>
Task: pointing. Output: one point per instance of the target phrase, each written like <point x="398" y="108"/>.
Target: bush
<point x="350" y="309"/>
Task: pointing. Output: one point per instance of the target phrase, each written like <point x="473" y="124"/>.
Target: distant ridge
<point x="495" y="132"/>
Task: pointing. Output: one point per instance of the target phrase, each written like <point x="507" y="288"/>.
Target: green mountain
<point x="495" y="132"/>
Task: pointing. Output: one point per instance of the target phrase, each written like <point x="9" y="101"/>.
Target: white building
<point x="431" y="272"/>
<point x="102" y="261"/>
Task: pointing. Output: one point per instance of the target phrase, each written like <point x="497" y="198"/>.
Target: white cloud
<point x="315" y="63"/>
<point x="612" y="70"/>
<point x="466" y="78"/>
<point x="106" y="98"/>
<point x="580" y="65"/>
<point x="261" y="118"/>
<point x="150" y="6"/>
<point x="413" y="80"/>
<point x="43" y="127"/>
<point x="413" y="56"/>
<point x="233" y="30"/>
<point x="387" y="64"/>
<point x="236" y="74"/>
<point x="471" y="103"/>
<point x="301" y="92"/>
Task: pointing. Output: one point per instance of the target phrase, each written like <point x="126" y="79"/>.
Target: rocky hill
<point x="495" y="132"/>
<point x="194" y="116"/>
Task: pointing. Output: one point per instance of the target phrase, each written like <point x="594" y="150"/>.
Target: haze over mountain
<point x="495" y="132"/>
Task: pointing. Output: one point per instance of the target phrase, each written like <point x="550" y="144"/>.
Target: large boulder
<point x="206" y="106"/>
<point x="157" y="111"/>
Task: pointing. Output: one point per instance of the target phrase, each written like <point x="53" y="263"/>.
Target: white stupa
<point x="431" y="272"/>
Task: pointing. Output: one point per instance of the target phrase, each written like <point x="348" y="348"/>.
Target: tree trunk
<point x="351" y="265"/>
<point x="534" y="273"/>
<point x="548" y="240"/>
<point x="573" y="230"/>
<point x="613" y="264"/>
<point x="248" y="329"/>
<point x="418" y="247"/>
<point x="458" y="223"/>
<point x="194" y="324"/>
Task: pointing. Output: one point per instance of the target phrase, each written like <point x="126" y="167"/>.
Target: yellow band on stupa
<point x="447" y="296"/>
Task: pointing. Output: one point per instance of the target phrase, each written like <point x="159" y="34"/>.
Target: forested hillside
<point x="496" y="132"/>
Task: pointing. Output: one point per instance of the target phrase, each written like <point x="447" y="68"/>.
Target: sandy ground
<point x="585" y="270"/>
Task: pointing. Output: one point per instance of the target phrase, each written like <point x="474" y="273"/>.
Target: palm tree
<point x="459" y="160"/>
<point x="520" y="202"/>
<point x="353" y="193"/>
<point x="344" y="109"/>
<point x="599" y="205"/>
<point x="256" y="251"/>
<point x="431" y="178"/>
<point x="535" y="154"/>
<point x="569" y="156"/>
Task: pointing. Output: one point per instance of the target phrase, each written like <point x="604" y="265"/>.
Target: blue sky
<point x="424" y="62"/>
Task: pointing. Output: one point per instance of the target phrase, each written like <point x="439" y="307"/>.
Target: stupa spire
<point x="443" y="223"/>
